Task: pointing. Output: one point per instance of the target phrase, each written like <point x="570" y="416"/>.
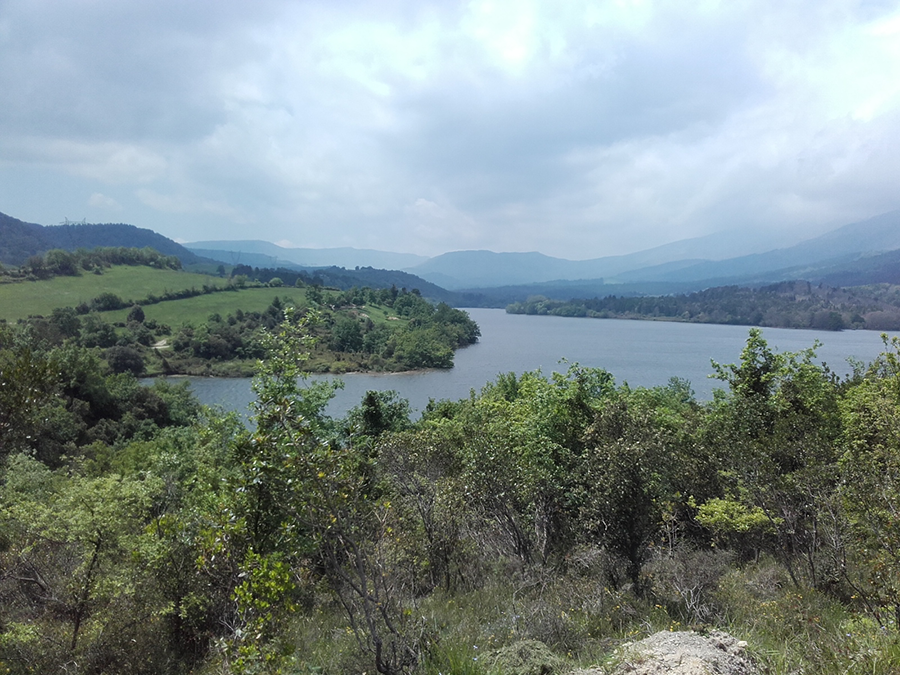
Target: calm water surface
<point x="641" y="353"/>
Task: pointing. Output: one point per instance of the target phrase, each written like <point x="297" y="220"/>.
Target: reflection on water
<point x="641" y="353"/>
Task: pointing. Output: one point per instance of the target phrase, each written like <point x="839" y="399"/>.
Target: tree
<point x="125" y="360"/>
<point x="29" y="386"/>
<point x="870" y="485"/>
<point x="379" y="412"/>
<point x="779" y="426"/>
<point x="346" y="335"/>
<point x="303" y="501"/>
<point x="136" y="314"/>
<point x="521" y="439"/>
<point x="66" y="320"/>
<point x="621" y="482"/>
<point x="61" y="262"/>
<point x="95" y="332"/>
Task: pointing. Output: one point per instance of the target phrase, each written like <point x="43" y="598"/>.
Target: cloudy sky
<point x="579" y="129"/>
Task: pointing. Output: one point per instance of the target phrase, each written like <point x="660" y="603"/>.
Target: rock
<point x="683" y="653"/>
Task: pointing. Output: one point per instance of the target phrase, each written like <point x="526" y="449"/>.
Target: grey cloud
<point x="398" y="126"/>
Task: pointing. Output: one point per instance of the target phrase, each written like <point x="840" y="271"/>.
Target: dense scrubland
<point x="548" y="515"/>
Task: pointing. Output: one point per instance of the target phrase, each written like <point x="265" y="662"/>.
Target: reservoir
<point x="641" y="353"/>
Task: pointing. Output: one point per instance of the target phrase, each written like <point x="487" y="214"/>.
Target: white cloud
<point x="181" y="203"/>
<point x="109" y="162"/>
<point x="101" y="201"/>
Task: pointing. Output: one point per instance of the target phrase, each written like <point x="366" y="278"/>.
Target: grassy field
<point x="22" y="299"/>
<point x="196" y="310"/>
<point x="134" y="284"/>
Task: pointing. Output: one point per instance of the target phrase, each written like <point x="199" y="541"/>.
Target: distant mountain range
<point x="468" y="269"/>
<point x="242" y="252"/>
<point x="860" y="253"/>
<point x="675" y="264"/>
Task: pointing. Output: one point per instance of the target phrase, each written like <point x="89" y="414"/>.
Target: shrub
<point x="125" y="360"/>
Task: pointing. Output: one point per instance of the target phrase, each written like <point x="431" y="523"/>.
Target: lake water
<point x="641" y="353"/>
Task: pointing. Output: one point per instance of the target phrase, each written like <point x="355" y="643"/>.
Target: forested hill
<point x="344" y="279"/>
<point x="792" y="304"/>
<point x="20" y="240"/>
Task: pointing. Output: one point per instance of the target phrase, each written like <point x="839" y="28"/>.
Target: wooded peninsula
<point x="151" y="318"/>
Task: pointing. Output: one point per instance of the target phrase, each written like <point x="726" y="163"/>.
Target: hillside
<point x="839" y="248"/>
<point x="148" y="317"/>
<point x="556" y="524"/>
<point x="20" y="240"/>
<point x="131" y="284"/>
<point x="855" y="254"/>
<point x="344" y="279"/>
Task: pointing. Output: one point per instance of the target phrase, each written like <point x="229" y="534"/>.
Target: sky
<point x="578" y="129"/>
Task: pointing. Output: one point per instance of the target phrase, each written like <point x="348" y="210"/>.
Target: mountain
<point x="20" y="240"/>
<point x="238" y="252"/>
<point x="467" y="269"/>
<point x="251" y="259"/>
<point x="839" y="247"/>
<point x="675" y="267"/>
<point x="485" y="269"/>
<point x="864" y="252"/>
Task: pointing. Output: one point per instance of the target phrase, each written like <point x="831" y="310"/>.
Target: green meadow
<point x="197" y="309"/>
<point x="21" y="299"/>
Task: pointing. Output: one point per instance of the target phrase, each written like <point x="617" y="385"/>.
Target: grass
<point x="196" y="310"/>
<point x="20" y="300"/>
<point x="799" y="630"/>
<point x="30" y="298"/>
<point x="582" y="622"/>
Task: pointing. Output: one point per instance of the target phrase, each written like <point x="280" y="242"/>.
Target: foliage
<point x="529" y="527"/>
<point x="76" y="552"/>
<point x="789" y="304"/>
<point x="59" y="262"/>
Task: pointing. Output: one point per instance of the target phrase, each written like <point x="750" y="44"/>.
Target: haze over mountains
<point x="242" y="252"/>
<point x="859" y="253"/>
<point x="851" y="251"/>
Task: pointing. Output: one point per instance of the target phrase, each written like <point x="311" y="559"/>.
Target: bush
<point x="125" y="360"/>
<point x="136" y="314"/>
<point x="106" y="302"/>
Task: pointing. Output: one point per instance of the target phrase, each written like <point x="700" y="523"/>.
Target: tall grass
<point x="582" y="621"/>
